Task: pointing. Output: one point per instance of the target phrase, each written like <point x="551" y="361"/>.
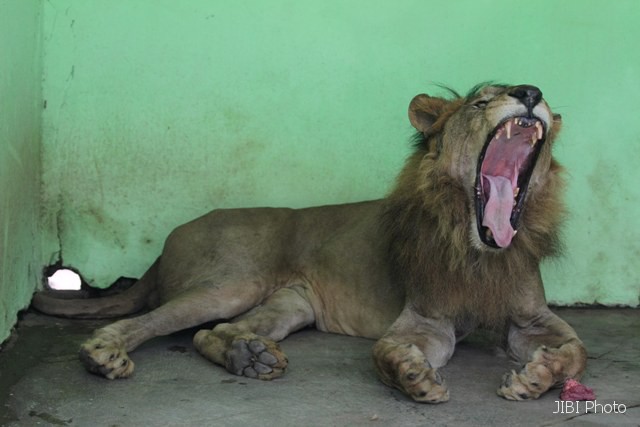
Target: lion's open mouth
<point x="504" y="169"/>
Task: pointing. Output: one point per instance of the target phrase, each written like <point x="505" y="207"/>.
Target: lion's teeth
<point x="508" y="127"/>
<point x="534" y="139"/>
<point x="516" y="192"/>
<point x="540" y="130"/>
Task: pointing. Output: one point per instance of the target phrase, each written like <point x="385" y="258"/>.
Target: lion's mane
<point x="427" y="218"/>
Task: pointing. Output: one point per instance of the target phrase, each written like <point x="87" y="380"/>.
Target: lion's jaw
<point x="505" y="165"/>
<point x="500" y="159"/>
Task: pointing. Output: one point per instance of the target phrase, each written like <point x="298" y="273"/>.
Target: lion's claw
<point x="528" y="384"/>
<point x="426" y="385"/>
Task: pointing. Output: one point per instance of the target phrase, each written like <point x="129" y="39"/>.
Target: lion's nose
<point x="529" y="95"/>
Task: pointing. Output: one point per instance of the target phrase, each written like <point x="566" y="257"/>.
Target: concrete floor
<point x="330" y="382"/>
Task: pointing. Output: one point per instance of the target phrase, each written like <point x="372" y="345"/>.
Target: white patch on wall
<point x="65" y="280"/>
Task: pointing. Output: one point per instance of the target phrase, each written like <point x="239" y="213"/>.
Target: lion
<point x="456" y="245"/>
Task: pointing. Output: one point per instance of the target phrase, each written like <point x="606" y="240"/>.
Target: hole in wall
<point x="70" y="283"/>
<point x="64" y="279"/>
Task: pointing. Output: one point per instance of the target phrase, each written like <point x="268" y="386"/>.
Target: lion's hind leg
<point x="248" y="346"/>
<point x="105" y="353"/>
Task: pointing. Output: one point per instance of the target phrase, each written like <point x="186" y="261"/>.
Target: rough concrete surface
<point x="330" y="382"/>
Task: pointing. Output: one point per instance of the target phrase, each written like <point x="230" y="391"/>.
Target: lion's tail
<point x="129" y="301"/>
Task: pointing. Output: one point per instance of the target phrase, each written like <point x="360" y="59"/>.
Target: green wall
<point x="158" y="111"/>
<point x="20" y="136"/>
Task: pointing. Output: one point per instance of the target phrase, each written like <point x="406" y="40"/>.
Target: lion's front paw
<point x="406" y="368"/>
<point x="106" y="357"/>
<point x="533" y="380"/>
<point x="255" y="357"/>
<point x="548" y="367"/>
<point x="423" y="383"/>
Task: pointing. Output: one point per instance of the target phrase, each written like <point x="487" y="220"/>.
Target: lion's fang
<point x="540" y="130"/>
<point x="508" y="127"/>
<point x="534" y="139"/>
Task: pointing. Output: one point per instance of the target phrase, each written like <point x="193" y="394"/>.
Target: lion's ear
<point x="556" y="125"/>
<point x="557" y="120"/>
<point x="424" y="110"/>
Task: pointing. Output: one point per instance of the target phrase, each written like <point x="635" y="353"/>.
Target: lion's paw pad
<point x="256" y="358"/>
<point x="104" y="358"/>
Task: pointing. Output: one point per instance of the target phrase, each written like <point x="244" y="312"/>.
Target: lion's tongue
<point x="497" y="211"/>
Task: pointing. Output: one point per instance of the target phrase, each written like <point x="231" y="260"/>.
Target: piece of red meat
<point x="573" y="390"/>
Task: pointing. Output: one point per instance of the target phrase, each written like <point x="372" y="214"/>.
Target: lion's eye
<point x="480" y="104"/>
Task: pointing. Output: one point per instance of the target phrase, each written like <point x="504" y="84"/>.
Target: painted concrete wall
<point x="20" y="115"/>
<point x="158" y="111"/>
